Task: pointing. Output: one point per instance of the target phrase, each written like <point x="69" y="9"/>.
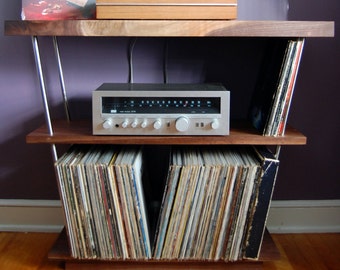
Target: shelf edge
<point x="170" y="28"/>
<point x="80" y="133"/>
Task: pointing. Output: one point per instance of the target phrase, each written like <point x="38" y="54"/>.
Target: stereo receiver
<point x="160" y="109"/>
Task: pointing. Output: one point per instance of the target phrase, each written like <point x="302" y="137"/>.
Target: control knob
<point x="215" y="124"/>
<point x="108" y="123"/>
<point x="157" y="124"/>
<point x="144" y="123"/>
<point x="134" y="123"/>
<point x="125" y="123"/>
<point x="182" y="124"/>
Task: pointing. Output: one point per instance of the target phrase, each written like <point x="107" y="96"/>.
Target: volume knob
<point x="182" y="124"/>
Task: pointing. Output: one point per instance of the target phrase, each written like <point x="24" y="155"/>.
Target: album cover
<point x="58" y="9"/>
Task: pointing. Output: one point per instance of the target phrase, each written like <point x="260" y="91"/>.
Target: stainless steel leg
<point x="61" y="78"/>
<point x="43" y="92"/>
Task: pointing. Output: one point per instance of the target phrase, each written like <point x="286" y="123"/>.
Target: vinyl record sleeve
<point x="58" y="9"/>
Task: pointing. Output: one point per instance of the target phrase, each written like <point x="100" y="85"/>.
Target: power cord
<point x="130" y="57"/>
<point x="165" y="60"/>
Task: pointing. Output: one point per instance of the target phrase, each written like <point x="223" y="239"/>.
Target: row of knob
<point x="182" y="124"/>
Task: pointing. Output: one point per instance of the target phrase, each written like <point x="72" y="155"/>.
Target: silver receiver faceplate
<point x="160" y="109"/>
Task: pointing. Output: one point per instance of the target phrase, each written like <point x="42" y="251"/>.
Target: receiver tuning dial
<point x="182" y="124"/>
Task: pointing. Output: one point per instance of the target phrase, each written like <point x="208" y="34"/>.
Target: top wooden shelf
<point x="171" y="28"/>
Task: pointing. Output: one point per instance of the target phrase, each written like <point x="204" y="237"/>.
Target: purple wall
<point x="307" y="172"/>
<point x="312" y="171"/>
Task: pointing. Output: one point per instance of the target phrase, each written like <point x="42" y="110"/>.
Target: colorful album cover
<point x="58" y="9"/>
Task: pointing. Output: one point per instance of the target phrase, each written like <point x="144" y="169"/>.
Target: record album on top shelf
<point x="58" y="9"/>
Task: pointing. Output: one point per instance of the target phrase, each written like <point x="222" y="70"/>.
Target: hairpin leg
<point x="61" y="78"/>
<point x="43" y="91"/>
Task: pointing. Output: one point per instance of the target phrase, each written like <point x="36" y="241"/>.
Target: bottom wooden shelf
<point x="163" y="265"/>
<point x="60" y="251"/>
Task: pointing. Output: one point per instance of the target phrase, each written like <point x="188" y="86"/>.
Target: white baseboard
<point x="319" y="216"/>
<point x="31" y="215"/>
<point x="284" y="216"/>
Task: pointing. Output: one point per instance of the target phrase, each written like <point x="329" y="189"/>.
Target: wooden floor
<point x="28" y="251"/>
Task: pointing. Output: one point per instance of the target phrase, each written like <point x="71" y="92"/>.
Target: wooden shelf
<point x="171" y="28"/>
<point x="80" y="132"/>
<point x="60" y="251"/>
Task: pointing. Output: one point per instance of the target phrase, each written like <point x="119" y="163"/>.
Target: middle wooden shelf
<point x="80" y="132"/>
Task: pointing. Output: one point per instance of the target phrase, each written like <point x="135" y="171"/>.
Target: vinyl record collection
<point x="275" y="87"/>
<point x="214" y="207"/>
<point x="103" y="198"/>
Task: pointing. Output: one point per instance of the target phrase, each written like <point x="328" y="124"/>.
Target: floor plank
<point x="306" y="252"/>
<point x="28" y="251"/>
